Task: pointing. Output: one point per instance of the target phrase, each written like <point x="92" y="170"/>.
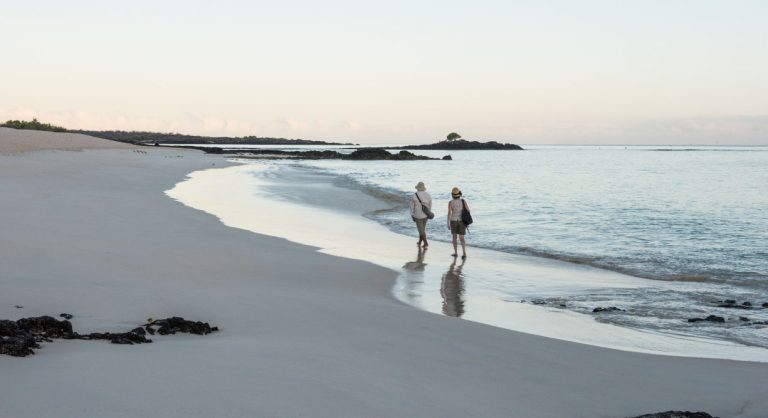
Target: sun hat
<point x="455" y="192"/>
<point x="420" y="186"/>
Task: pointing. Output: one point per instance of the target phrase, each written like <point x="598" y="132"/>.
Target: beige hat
<point x="455" y="192"/>
<point x="420" y="187"/>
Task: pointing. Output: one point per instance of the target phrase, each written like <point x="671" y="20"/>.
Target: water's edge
<point x="551" y="279"/>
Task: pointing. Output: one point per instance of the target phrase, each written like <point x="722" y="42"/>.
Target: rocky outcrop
<point x="609" y="309"/>
<point x="382" y="154"/>
<point x="18" y="338"/>
<point x="462" y="144"/>
<point x="362" y="154"/>
<point x="676" y="414"/>
<point x="710" y="318"/>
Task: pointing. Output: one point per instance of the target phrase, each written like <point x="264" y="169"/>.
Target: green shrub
<point x="34" y="125"/>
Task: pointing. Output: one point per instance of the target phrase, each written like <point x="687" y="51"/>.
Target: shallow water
<point x="694" y="215"/>
<point x="320" y="208"/>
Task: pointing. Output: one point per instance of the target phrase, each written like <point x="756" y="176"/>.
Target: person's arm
<point x="449" y="215"/>
<point x="412" y="205"/>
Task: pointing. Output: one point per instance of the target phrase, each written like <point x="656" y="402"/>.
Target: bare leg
<point x="455" y="251"/>
<point x="463" y="246"/>
<point x="426" y="244"/>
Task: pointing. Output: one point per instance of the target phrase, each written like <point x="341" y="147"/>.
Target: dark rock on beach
<point x="710" y="318"/>
<point x="676" y="414"/>
<point x="765" y="305"/>
<point x="447" y="158"/>
<point x="46" y="326"/>
<point x="129" y="338"/>
<point x="65" y="315"/>
<point x="610" y="309"/>
<point x="18" y="338"/>
<point x="176" y="324"/>
<point x="14" y="341"/>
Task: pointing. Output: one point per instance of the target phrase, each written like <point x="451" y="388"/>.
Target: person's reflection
<point x="452" y="290"/>
<point x="414" y="274"/>
<point x="418" y="265"/>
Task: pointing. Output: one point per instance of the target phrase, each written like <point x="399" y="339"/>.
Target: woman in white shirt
<point x="421" y="197"/>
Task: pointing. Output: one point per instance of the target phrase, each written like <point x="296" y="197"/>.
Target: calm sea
<point x="690" y="222"/>
<point x="690" y="214"/>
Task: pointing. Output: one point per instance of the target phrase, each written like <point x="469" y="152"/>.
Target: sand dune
<point x="14" y="141"/>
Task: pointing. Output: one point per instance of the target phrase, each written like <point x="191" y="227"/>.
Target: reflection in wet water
<point x="414" y="271"/>
<point x="452" y="290"/>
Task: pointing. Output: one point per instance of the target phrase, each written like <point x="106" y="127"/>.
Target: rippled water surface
<point x="664" y="213"/>
<point x="697" y="216"/>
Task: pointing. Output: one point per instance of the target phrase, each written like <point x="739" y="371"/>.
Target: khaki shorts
<point x="458" y="227"/>
<point x="421" y="225"/>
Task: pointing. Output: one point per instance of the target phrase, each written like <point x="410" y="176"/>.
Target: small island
<point x="453" y="142"/>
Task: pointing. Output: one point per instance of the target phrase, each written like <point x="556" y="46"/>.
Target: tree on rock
<point x="453" y="136"/>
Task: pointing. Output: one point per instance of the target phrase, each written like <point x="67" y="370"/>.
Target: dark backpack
<point x="466" y="217"/>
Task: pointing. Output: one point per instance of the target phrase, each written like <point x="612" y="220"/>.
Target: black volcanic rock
<point x="676" y="414"/>
<point x="176" y="324"/>
<point x="710" y="318"/>
<point x="462" y="144"/>
<point x="46" y="326"/>
<point x="363" y="154"/>
<point x="18" y="338"/>
<point x="610" y="309"/>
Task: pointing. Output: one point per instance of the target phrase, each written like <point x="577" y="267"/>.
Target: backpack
<point x="466" y="217"/>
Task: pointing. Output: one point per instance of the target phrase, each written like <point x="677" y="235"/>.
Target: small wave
<point x="392" y="214"/>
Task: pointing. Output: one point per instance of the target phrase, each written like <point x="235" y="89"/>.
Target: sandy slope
<point x="303" y="333"/>
<point x="17" y="140"/>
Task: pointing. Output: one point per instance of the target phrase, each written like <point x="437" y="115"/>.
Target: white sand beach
<point x="303" y="333"/>
<point x="14" y="141"/>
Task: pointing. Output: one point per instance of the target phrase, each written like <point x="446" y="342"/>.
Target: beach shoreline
<point x="302" y="332"/>
<point x="307" y="207"/>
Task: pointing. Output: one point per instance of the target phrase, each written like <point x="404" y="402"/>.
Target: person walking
<point x="419" y="199"/>
<point x="455" y="224"/>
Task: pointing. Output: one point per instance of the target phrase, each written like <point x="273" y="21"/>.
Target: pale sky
<point x="528" y="72"/>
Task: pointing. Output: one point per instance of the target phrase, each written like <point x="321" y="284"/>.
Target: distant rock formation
<point x="369" y="154"/>
<point x="677" y="414"/>
<point x="462" y="144"/>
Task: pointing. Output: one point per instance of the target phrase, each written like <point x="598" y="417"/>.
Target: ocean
<point x="658" y="235"/>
